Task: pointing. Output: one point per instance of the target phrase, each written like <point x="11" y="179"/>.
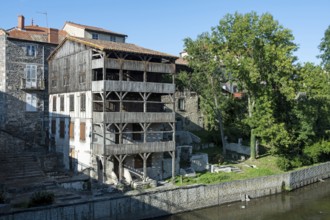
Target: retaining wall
<point x="158" y="202"/>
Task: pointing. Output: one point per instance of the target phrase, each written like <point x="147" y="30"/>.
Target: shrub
<point x="319" y="151"/>
<point x="41" y="198"/>
<point x="283" y="163"/>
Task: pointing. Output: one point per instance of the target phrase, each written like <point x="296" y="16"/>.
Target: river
<point x="310" y="202"/>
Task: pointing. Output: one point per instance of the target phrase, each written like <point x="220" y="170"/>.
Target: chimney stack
<point x="20" y="25"/>
<point x="52" y="35"/>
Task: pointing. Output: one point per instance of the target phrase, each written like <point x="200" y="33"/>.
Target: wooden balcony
<point x="134" y="65"/>
<point x="134" y="148"/>
<point x="131" y="86"/>
<point x="38" y="84"/>
<point x="133" y="117"/>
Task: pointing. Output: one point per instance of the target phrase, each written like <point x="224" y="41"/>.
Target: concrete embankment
<point x="158" y="202"/>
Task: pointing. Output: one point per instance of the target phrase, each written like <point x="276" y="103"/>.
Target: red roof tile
<point x="38" y="34"/>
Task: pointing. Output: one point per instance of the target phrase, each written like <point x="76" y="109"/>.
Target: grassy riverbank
<point x="264" y="166"/>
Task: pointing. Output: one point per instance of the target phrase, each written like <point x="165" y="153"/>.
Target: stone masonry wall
<point x="155" y="202"/>
<point x="2" y="78"/>
<point x="18" y="121"/>
<point x="189" y="117"/>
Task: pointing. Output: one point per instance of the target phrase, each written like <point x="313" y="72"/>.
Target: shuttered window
<point x="62" y="129"/>
<point x="54" y="103"/>
<point x="62" y="103"/>
<point x="53" y="126"/>
<point x="71" y="130"/>
<point x="71" y="103"/>
<point x="82" y="102"/>
<point x="82" y="131"/>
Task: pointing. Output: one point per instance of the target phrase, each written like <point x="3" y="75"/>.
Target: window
<point x="82" y="73"/>
<point x="71" y="130"/>
<point x="54" y="82"/>
<point x="67" y="66"/>
<point x="62" y="103"/>
<point x="66" y="74"/>
<point x="30" y="50"/>
<point x="31" y="76"/>
<point x="62" y="129"/>
<point x="53" y="126"/>
<point x="95" y="36"/>
<point x="82" y="131"/>
<point x="31" y="102"/>
<point x="181" y="104"/>
<point x="66" y="80"/>
<point x="71" y="97"/>
<point x="54" y="103"/>
<point x="82" y="102"/>
<point x="113" y="38"/>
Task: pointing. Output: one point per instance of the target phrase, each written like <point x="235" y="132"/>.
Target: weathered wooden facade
<point x="106" y="99"/>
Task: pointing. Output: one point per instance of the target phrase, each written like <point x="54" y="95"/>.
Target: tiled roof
<point x="36" y="33"/>
<point x="115" y="46"/>
<point x="181" y="61"/>
<point x="91" y="28"/>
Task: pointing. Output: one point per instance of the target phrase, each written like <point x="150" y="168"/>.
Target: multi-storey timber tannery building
<point x="106" y="109"/>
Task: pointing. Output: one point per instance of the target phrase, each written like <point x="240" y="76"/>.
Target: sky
<point x="162" y="25"/>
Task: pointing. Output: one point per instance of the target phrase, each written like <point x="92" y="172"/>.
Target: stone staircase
<point x="20" y="169"/>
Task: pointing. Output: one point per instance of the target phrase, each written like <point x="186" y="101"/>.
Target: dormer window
<point x="95" y="36"/>
<point x="30" y="50"/>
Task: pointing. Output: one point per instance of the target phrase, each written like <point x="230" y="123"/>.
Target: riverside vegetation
<point x="285" y="104"/>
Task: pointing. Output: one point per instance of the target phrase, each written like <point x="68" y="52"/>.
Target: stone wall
<point x="18" y="121"/>
<point x="158" y="202"/>
<point x="2" y="79"/>
<point x="187" y="113"/>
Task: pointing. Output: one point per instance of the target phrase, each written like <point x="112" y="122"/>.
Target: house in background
<point x="90" y="32"/>
<point x="188" y="114"/>
<point x="106" y="109"/>
<point x="23" y="79"/>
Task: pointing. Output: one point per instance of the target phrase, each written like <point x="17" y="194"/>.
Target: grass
<point x="265" y="166"/>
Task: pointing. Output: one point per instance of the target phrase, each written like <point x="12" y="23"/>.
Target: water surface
<point x="311" y="202"/>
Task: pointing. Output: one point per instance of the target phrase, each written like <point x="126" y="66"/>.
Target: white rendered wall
<point x="81" y="149"/>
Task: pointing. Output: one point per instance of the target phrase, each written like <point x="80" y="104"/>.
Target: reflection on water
<point x="311" y="202"/>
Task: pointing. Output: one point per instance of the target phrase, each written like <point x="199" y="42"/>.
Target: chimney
<point x="52" y="35"/>
<point x="20" y="25"/>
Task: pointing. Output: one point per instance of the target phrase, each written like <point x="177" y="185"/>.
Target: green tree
<point x="257" y="54"/>
<point x="325" y="50"/>
<point x="205" y="79"/>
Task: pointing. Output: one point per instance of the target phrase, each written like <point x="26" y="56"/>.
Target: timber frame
<point x="128" y="115"/>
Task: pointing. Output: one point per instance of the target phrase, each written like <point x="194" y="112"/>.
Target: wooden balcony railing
<point x="134" y="148"/>
<point x="38" y="84"/>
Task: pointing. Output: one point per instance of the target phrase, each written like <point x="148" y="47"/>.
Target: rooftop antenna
<point x="44" y="13"/>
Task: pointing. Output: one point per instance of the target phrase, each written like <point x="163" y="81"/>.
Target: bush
<point x="283" y="163"/>
<point x="318" y="152"/>
<point x="41" y="198"/>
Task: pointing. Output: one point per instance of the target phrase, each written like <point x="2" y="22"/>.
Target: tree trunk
<point x="253" y="145"/>
<point x="251" y="104"/>
<point x="222" y="133"/>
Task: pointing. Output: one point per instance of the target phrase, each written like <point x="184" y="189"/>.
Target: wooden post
<point x="144" y="157"/>
<point x="173" y="165"/>
<point x="120" y="159"/>
<point x="103" y="110"/>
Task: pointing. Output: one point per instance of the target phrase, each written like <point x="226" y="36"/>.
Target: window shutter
<point x="53" y="126"/>
<point x="62" y="129"/>
<point x="71" y="130"/>
<point x="82" y="131"/>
